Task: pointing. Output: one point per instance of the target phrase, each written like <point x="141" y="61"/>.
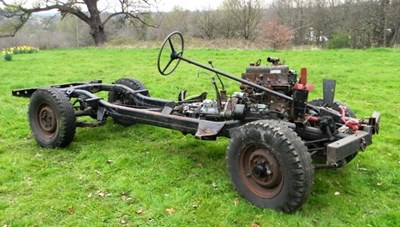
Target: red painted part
<point x="303" y="76"/>
<point x="308" y="87"/>
<point x="303" y="81"/>
<point x="313" y="119"/>
<point x="352" y="123"/>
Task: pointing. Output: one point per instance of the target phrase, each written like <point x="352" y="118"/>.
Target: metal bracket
<point x="329" y="92"/>
<point x="208" y="129"/>
<point x="101" y="113"/>
<point x="299" y="104"/>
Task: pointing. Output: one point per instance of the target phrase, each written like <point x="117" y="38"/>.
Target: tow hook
<point x="363" y="144"/>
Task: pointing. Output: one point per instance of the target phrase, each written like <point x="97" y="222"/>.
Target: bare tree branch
<point x="88" y="11"/>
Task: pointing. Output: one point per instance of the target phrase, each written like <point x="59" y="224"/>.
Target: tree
<point x="275" y="34"/>
<point x="385" y="6"/>
<point x="14" y="15"/>
<point x="226" y="26"/>
<point x="246" y="14"/>
<point x="394" y="23"/>
<point x="10" y="20"/>
<point x="322" y="21"/>
<point x="207" y="23"/>
<point x="176" y="20"/>
<point x="296" y="15"/>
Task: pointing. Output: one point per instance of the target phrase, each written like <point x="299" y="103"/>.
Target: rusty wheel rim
<point x="46" y="120"/>
<point x="260" y="171"/>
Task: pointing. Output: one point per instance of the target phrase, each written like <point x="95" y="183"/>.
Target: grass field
<point x="148" y="176"/>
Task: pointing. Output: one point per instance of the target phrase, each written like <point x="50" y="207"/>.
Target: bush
<point x="339" y="41"/>
<point x="275" y="34"/>
<point x="7" y="56"/>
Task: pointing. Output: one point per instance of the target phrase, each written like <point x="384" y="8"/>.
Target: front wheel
<point x="269" y="165"/>
<point x="51" y="118"/>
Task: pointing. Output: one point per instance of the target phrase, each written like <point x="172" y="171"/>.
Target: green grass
<point x="111" y="173"/>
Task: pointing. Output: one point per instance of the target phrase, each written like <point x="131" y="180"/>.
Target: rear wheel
<point x="51" y="118"/>
<point x="125" y="99"/>
<point x="269" y="165"/>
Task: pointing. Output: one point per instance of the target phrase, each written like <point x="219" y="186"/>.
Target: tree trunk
<point x="98" y="34"/>
<point x="385" y="22"/>
<point x="95" y="23"/>
<point x="393" y="42"/>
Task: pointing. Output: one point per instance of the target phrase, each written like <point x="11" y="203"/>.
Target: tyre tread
<point x="67" y="119"/>
<point x="301" y="168"/>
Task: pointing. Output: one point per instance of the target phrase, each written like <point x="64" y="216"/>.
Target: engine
<point x="276" y="77"/>
<point x="250" y="103"/>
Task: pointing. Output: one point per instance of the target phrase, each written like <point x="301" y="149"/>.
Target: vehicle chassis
<point x="269" y="158"/>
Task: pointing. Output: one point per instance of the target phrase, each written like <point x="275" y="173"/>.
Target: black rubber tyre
<point x="121" y="98"/>
<point x="51" y="118"/>
<point x="269" y="165"/>
<point x="349" y="113"/>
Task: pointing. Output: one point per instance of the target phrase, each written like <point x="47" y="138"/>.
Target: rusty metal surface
<point x="208" y="128"/>
<point x="27" y="92"/>
<point x="347" y="146"/>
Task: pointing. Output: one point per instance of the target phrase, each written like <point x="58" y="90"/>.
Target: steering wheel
<point x="175" y="53"/>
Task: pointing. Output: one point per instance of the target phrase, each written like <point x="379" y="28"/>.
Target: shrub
<point x="339" y="41"/>
<point x="275" y="34"/>
<point x="7" y="56"/>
